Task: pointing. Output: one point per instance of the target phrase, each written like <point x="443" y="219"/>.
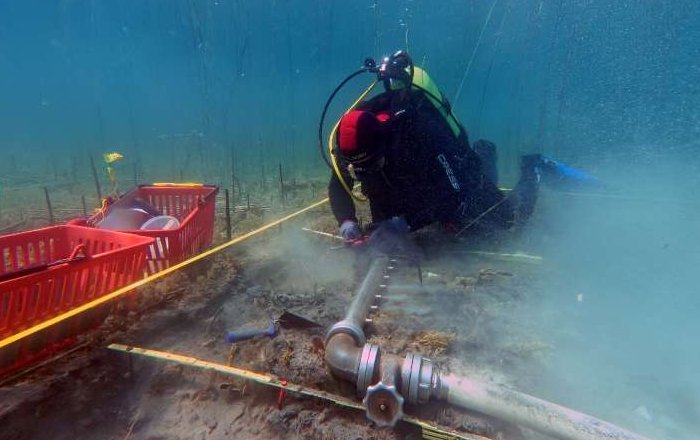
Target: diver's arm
<point x="341" y="202"/>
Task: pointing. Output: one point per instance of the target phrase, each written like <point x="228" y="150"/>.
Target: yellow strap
<point x="188" y="184"/>
<point x="142" y="282"/>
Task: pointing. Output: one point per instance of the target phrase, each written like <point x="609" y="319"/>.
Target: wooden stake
<point x="282" y="192"/>
<point x="97" y="180"/>
<point x="74" y="168"/>
<point x="233" y="171"/>
<point x="82" y="200"/>
<point x="48" y="205"/>
<point x="100" y="127"/>
<point x="53" y="167"/>
<point x="263" y="178"/>
<point x="228" y="215"/>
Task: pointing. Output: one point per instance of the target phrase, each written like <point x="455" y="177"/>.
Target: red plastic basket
<point x="193" y="205"/>
<point x="49" y="271"/>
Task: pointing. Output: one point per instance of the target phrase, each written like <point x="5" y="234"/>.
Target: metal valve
<point x="383" y="403"/>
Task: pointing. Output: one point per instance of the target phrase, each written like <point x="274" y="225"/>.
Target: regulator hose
<point x="325" y="110"/>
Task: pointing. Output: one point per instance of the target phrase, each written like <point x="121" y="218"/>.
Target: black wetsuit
<point x="429" y="175"/>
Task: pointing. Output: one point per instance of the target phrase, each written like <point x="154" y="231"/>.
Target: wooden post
<point x="52" y="161"/>
<point x="263" y="178"/>
<point x="74" y="168"/>
<point x="282" y="192"/>
<point x="97" y="180"/>
<point x="82" y="200"/>
<point x="48" y="205"/>
<point x="228" y="215"/>
<point x="233" y="173"/>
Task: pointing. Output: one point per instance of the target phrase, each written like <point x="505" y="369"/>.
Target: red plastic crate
<point x="194" y="207"/>
<point x="50" y="271"/>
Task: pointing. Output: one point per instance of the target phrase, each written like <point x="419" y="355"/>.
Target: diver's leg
<point x="524" y="195"/>
<point x="485" y="210"/>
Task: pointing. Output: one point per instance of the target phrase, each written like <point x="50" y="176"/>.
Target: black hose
<point x="325" y="110"/>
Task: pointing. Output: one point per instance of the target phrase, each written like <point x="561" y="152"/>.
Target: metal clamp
<point x="420" y="379"/>
<point x="368" y="371"/>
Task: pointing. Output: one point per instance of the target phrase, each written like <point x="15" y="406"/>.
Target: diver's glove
<point x="389" y="235"/>
<point x="350" y="231"/>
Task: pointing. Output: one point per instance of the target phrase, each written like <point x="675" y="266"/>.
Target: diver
<point x="414" y="164"/>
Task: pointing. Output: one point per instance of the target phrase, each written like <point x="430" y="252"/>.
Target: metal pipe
<point x="537" y="414"/>
<point x="359" y="308"/>
<point x="347" y="354"/>
<point x="342" y="355"/>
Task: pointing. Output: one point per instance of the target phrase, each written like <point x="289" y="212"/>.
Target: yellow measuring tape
<point x="142" y="282"/>
<point x="429" y="430"/>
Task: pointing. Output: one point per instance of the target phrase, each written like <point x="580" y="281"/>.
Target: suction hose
<point x="537" y="414"/>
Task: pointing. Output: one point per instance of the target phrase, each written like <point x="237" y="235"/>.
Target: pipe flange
<point x="368" y="371"/>
<point x="406" y="369"/>
<point x="349" y="328"/>
<point x="419" y="379"/>
<point x="425" y="380"/>
<point x="383" y="404"/>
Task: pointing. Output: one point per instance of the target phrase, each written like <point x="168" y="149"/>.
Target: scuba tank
<point x="423" y="82"/>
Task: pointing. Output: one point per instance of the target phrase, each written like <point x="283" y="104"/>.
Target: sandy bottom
<point x="97" y="393"/>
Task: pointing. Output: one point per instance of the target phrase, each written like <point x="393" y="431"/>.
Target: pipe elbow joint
<point x="343" y="356"/>
<point x="348" y="328"/>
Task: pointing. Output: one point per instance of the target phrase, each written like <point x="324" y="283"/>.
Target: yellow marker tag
<point x="112" y="157"/>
